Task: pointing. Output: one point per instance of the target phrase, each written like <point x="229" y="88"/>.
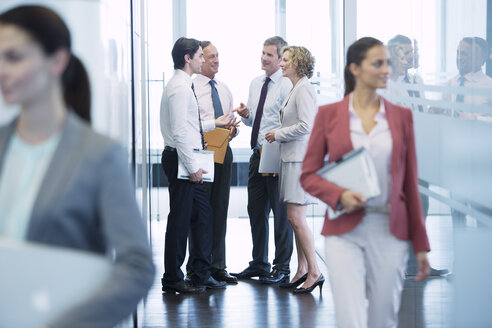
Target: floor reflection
<point x="252" y="304"/>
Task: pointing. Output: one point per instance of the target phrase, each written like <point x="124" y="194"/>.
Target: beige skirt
<point x="290" y="186"/>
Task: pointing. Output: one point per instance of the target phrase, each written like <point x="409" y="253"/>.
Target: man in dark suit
<point x="214" y="100"/>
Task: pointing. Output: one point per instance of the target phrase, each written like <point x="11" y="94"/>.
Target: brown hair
<point x="48" y="29"/>
<point x="356" y="53"/>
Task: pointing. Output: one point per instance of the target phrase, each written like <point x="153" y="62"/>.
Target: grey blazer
<point x="297" y="117"/>
<point x="87" y="201"/>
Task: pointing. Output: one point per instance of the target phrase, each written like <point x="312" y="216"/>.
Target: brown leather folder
<point x="217" y="141"/>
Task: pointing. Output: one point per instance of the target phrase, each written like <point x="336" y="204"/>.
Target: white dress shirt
<point x="474" y="80"/>
<point x="278" y="89"/>
<point x="379" y="145"/>
<point x="179" y="119"/>
<point x="203" y="91"/>
<point x="477" y="80"/>
<point x="391" y="90"/>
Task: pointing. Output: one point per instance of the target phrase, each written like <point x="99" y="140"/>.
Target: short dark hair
<point x="205" y="44"/>
<point x="184" y="46"/>
<point x="276" y="41"/>
<point x="481" y="43"/>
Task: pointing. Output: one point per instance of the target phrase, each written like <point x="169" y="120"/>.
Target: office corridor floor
<point x="252" y="304"/>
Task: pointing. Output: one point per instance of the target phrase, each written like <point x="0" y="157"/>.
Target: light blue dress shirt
<point x="24" y="169"/>
<point x="278" y="89"/>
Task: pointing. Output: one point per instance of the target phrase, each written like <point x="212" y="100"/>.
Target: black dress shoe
<point x="210" y="283"/>
<point x="275" y="277"/>
<point x="182" y="287"/>
<point x="433" y="273"/>
<point x="293" y="284"/>
<point x="249" y="273"/>
<point x="187" y="278"/>
<point x="319" y="282"/>
<point x="438" y="272"/>
<point x="223" y="275"/>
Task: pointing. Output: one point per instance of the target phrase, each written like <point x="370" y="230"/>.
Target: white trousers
<point x="366" y="268"/>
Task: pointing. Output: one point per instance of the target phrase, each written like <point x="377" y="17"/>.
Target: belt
<point x="169" y="148"/>
<point x="378" y="209"/>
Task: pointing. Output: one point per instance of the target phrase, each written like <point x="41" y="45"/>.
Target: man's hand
<point x="232" y="132"/>
<point x="197" y="177"/>
<point x="242" y="110"/>
<point x="352" y="201"/>
<point x="226" y="121"/>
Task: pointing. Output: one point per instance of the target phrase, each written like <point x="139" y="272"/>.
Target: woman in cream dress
<point x="297" y="115"/>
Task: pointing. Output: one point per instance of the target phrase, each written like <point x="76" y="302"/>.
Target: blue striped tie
<point x="216" y="100"/>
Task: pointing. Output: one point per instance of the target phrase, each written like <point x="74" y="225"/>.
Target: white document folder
<point x="270" y="158"/>
<point x="354" y="171"/>
<point x="39" y="283"/>
<point x="205" y="160"/>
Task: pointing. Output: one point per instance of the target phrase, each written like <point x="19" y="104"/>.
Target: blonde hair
<point x="302" y="60"/>
<point x="397" y="59"/>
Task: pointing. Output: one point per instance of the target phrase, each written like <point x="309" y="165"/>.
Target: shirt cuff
<point x="208" y="125"/>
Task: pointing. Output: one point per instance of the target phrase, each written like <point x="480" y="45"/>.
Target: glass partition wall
<point x="431" y="43"/>
<point x="239" y="47"/>
<point x="439" y="52"/>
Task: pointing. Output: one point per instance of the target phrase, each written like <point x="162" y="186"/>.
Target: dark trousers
<point x="263" y="196"/>
<point x="190" y="214"/>
<point x="218" y="193"/>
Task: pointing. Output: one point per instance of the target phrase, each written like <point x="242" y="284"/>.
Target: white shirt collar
<point x="473" y="76"/>
<point x="275" y="77"/>
<point x="184" y="75"/>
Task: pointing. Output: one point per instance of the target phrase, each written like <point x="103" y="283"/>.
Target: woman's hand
<point x="424" y="266"/>
<point x="270" y="136"/>
<point x="352" y="201"/>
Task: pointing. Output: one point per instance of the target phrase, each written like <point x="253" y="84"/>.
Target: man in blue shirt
<point x="266" y="94"/>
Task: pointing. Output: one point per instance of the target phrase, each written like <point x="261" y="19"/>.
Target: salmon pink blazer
<point x="331" y="135"/>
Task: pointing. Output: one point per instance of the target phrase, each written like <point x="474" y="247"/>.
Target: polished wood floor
<point x="252" y="304"/>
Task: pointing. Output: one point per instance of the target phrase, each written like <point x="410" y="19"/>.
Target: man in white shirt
<point x="190" y="210"/>
<point x="471" y="55"/>
<point x="266" y="94"/>
<point x="214" y="100"/>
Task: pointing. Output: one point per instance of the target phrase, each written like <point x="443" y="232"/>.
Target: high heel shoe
<point x="293" y="284"/>
<point x="320" y="282"/>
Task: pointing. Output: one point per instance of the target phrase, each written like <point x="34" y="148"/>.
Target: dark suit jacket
<point x="87" y="201"/>
<point x="331" y="135"/>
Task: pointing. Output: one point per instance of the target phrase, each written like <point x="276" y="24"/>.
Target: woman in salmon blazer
<point x="366" y="248"/>
<point x="297" y="116"/>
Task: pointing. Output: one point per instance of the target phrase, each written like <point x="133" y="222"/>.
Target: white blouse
<point x="379" y="145"/>
<point x="25" y="166"/>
